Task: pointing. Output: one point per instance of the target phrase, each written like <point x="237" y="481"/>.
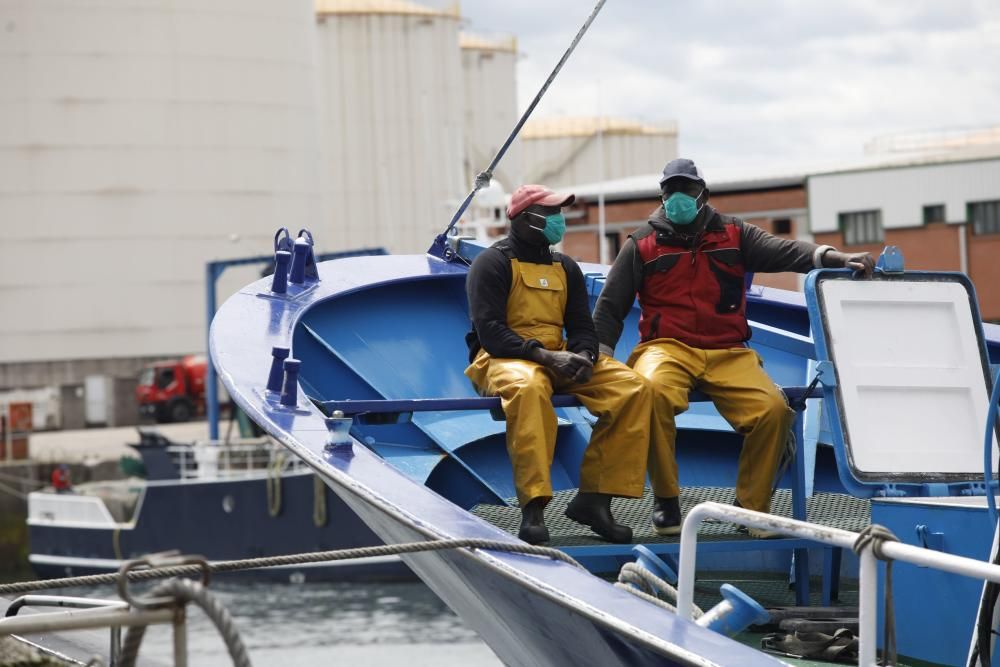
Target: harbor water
<point x="323" y="623"/>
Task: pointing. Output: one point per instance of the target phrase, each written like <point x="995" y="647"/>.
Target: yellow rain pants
<point x="744" y="395"/>
<point x="615" y="460"/>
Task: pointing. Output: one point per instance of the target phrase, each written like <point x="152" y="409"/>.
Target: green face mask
<point x="555" y="226"/>
<point x="681" y="209"/>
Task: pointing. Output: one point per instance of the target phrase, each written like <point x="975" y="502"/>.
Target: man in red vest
<point x="687" y="265"/>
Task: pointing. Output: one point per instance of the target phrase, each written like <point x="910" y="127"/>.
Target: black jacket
<point x="488" y="286"/>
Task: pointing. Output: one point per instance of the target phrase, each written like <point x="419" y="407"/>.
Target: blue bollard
<point x="276" y="375"/>
<point x="279" y="285"/>
<point x="736" y="611"/>
<point x="290" y="386"/>
<point x="653" y="563"/>
<point x="300" y="253"/>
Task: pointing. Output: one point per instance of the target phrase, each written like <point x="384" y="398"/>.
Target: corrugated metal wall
<point x="392" y="121"/>
<point x="137" y="142"/>
<point x="489" y="75"/>
<point x="902" y="192"/>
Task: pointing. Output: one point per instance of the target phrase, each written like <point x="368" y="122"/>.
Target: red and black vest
<point x="693" y="288"/>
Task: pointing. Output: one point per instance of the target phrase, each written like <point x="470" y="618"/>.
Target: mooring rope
<point x="293" y="559"/>
<point x="185" y="591"/>
<point x="642" y="583"/>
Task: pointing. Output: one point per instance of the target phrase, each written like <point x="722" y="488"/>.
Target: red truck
<point x="172" y="391"/>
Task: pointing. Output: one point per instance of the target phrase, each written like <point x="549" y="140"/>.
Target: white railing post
<point x="867" y="608"/>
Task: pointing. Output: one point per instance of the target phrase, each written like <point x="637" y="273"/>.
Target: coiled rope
<point x="185" y="591"/>
<point x="294" y="559"/>
<point x="650" y="587"/>
<point x="874" y="536"/>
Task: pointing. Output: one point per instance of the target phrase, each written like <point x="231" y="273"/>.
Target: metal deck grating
<point x="829" y="509"/>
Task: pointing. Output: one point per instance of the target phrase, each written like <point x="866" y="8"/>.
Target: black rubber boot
<point x="594" y="510"/>
<point x="533" y="530"/>
<point x="667" y="516"/>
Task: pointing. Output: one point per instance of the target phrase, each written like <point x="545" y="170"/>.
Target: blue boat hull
<point x="192" y="517"/>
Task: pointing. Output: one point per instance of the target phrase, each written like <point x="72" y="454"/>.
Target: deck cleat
<point x="276" y="374"/>
<point x="290" y="386"/>
<point x="279" y="284"/>
<point x="734" y="614"/>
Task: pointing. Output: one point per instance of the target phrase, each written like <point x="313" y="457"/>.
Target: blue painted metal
<point x="799" y="512"/>
<point x="279" y="282"/>
<point x="990" y="432"/>
<point x="931" y="605"/>
<point x="745" y="612"/>
<point x="290" y="384"/>
<point x="339" y="431"/>
<point x="300" y="254"/>
<point x="385" y="355"/>
<point x="890" y="260"/>
<point x="653" y="563"/>
<point x="277" y="372"/>
<point x="213" y="270"/>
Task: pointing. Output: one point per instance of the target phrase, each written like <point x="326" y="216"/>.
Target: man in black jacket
<point x="688" y="265"/>
<point x="522" y="296"/>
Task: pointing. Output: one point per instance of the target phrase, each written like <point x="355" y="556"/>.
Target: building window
<point x="861" y="227"/>
<point x="614" y="240"/>
<point x="933" y="213"/>
<point x="984" y="216"/>
<point x="782" y="226"/>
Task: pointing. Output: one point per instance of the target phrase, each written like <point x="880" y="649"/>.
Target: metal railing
<point x="868" y="579"/>
<point x="213" y="460"/>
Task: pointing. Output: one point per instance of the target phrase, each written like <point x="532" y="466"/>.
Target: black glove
<point x="858" y="261"/>
<point x="568" y="364"/>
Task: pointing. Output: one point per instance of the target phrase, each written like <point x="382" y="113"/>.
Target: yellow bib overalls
<point x="615" y="460"/>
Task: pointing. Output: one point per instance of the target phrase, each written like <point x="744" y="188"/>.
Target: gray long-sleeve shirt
<point x="761" y="252"/>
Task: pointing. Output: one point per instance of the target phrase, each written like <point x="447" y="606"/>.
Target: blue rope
<point x="991" y="420"/>
<point x="484" y="178"/>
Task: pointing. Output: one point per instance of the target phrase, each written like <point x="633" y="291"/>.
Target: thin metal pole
<point x="180" y="637"/>
<point x="211" y="383"/>
<point x="82" y="620"/>
<point x="483" y="179"/>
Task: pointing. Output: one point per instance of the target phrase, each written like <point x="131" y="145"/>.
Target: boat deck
<point x="828" y="509"/>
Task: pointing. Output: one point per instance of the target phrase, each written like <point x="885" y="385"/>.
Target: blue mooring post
<point x="290" y="386"/>
<point x="300" y="253"/>
<point x="799" y="509"/>
<point x="279" y="284"/>
<point x="277" y="374"/>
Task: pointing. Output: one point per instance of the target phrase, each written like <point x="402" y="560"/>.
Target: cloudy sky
<point x="769" y="83"/>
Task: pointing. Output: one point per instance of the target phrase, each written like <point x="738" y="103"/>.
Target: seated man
<point x="521" y="298"/>
<point x="687" y="265"/>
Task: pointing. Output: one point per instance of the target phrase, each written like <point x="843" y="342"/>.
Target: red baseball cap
<point x="526" y="195"/>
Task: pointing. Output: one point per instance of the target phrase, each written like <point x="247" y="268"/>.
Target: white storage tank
<point x="489" y="77"/>
<point x="139" y="140"/>
<point x="391" y="90"/>
<point x="565" y="151"/>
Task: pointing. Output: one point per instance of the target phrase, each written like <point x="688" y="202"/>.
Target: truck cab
<point x="172" y="390"/>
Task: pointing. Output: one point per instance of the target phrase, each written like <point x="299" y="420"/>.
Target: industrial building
<point x="138" y="142"/>
<point x="567" y="151"/>
<point x="942" y="209"/>
<point x="489" y="85"/>
<point x="391" y="91"/>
